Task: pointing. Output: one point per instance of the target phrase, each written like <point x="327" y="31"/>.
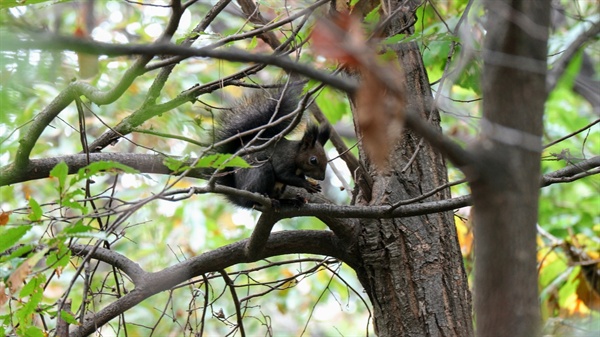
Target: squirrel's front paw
<point x="299" y="201"/>
<point x="312" y="188"/>
<point x="275" y="204"/>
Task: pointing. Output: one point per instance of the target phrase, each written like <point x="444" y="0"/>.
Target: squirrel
<point x="254" y="121"/>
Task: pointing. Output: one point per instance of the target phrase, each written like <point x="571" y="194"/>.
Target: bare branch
<point x="55" y="42"/>
<point x="287" y="242"/>
<point x="236" y="301"/>
<point x="572" y="133"/>
<point x="132" y="269"/>
<point x="260" y="234"/>
<point x="573" y="172"/>
<point x="40" y="168"/>
<point x="62" y="327"/>
<point x="265" y="30"/>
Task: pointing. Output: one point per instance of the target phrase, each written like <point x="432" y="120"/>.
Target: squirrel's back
<point x="285" y="162"/>
<point x="255" y="112"/>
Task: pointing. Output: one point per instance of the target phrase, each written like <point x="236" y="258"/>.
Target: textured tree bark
<point x="412" y="268"/>
<point x="505" y="190"/>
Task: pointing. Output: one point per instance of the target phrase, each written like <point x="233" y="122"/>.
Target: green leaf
<point x="36" y="210"/>
<point x="373" y="16"/>
<point x="33" y="331"/>
<point x="10" y="236"/>
<point x="25" y="313"/>
<point x="88" y="235"/>
<point x="190" y="35"/>
<point x="79" y="227"/>
<point x="17" y="253"/>
<point x="253" y="43"/>
<point x="569" y="287"/>
<point x="175" y="164"/>
<point x="59" y="257"/>
<point x="79" y="230"/>
<point x="70" y="198"/>
<point x="394" y="39"/>
<point x="220" y="160"/>
<point x="103" y="166"/>
<point x="68" y="317"/>
<point x="33" y="286"/>
<point x="333" y="104"/>
<point x="571" y="72"/>
<point x="60" y="171"/>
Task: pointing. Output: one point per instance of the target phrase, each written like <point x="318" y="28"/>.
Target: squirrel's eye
<point x="313" y="160"/>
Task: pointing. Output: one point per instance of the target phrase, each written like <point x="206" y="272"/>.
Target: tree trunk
<point x="412" y="267"/>
<point x="505" y="193"/>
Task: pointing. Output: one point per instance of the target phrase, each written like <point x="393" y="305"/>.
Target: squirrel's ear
<point x="324" y="132"/>
<point x="310" y="137"/>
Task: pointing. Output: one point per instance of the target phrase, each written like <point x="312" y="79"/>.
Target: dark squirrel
<point x="284" y="162"/>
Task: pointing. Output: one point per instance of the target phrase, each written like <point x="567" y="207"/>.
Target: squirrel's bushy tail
<point x="254" y="112"/>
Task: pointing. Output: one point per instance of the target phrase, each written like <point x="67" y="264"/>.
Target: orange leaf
<point x="4" y="216"/>
<point x="379" y="110"/>
<point x="335" y="38"/>
<point x="80" y="32"/>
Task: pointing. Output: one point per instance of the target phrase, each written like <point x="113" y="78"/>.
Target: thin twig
<point x="236" y="301"/>
<point x="572" y="134"/>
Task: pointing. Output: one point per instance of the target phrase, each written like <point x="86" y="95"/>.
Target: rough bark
<point x="505" y="190"/>
<point x="412" y="267"/>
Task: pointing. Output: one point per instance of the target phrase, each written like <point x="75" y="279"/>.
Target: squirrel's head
<point x="311" y="159"/>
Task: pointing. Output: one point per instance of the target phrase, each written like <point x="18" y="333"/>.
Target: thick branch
<point x="577" y="171"/>
<point x="40" y="168"/>
<point x="280" y="243"/>
<point x="132" y="269"/>
<point x="260" y="234"/>
<point x="146" y="163"/>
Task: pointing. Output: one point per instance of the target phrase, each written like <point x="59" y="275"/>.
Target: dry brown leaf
<point x="380" y="118"/>
<point x="380" y="111"/>
<point x="338" y="38"/>
<point x="3" y="296"/>
<point x="4" y="216"/>
<point x="16" y="279"/>
<point x="585" y="291"/>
